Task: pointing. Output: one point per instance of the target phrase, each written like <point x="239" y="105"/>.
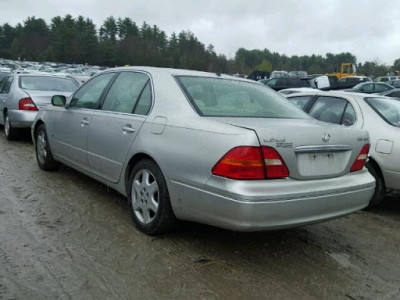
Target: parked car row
<point x="78" y="72"/>
<point x="210" y="148"/>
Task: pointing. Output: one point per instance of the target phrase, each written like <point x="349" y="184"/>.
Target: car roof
<point x="41" y="75"/>
<point x="332" y="94"/>
<point x="179" y="72"/>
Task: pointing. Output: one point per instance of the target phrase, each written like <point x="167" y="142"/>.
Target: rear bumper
<point x="269" y="205"/>
<point x="21" y="118"/>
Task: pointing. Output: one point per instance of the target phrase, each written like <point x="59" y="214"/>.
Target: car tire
<point x="44" y="155"/>
<point x="10" y="132"/>
<point x="148" y="199"/>
<point x="380" y="188"/>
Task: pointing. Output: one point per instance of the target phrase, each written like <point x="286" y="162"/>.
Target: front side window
<point x="328" y="109"/>
<point x="388" y="109"/>
<point x="89" y="95"/>
<point x="124" y="92"/>
<point x="233" y="98"/>
<point x="45" y="83"/>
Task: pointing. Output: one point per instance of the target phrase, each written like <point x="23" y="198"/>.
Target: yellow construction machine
<point x="346" y="69"/>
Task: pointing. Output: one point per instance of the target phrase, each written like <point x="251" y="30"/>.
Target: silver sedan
<point x="210" y="148"/>
<point x="380" y="116"/>
<point x="22" y="95"/>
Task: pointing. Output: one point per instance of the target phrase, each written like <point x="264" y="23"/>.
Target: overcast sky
<point x="369" y="29"/>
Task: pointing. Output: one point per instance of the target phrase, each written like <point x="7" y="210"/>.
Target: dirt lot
<point x="63" y="235"/>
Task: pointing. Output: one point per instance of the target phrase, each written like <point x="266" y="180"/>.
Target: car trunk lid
<point x="310" y="149"/>
<point x="43" y="98"/>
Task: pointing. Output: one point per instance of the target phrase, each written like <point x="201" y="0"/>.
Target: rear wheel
<point x="380" y="188"/>
<point x="148" y="199"/>
<point x="10" y="132"/>
<point x="44" y="156"/>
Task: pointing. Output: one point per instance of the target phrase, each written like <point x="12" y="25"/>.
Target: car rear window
<point x="233" y="98"/>
<point x="388" y="109"/>
<point x="44" y="83"/>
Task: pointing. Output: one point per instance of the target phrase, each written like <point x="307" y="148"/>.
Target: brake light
<point x="275" y="167"/>
<point x="251" y="163"/>
<point x="361" y="159"/>
<point x="27" y="104"/>
<point x="243" y="162"/>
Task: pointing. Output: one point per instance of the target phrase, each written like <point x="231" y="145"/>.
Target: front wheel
<point x="148" y="199"/>
<point x="10" y="132"/>
<point x="44" y="156"/>
<point x="380" y="188"/>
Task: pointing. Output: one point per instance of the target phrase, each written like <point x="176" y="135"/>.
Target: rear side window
<point x="381" y="88"/>
<point x="328" y="109"/>
<point x="43" y="83"/>
<point x="144" y="103"/>
<point x="2" y="82"/>
<point x="300" y="101"/>
<point x="394" y="94"/>
<point x="125" y="91"/>
<point x="388" y="109"/>
<point x="234" y="98"/>
<point x="7" y="85"/>
<point x="349" y="116"/>
<point x="272" y="82"/>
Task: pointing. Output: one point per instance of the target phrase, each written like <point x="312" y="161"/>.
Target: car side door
<point x="70" y="123"/>
<point x="114" y="127"/>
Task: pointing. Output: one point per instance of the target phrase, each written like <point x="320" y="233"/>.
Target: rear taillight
<point x="361" y="159"/>
<point x="27" y="104"/>
<point x="251" y="163"/>
<point x="241" y="163"/>
<point x="275" y="167"/>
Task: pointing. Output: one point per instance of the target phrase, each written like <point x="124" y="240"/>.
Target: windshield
<point x="388" y="109"/>
<point x="43" y="83"/>
<point x="232" y="98"/>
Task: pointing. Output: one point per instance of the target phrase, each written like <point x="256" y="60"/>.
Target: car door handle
<point x="84" y="122"/>
<point x="128" y="129"/>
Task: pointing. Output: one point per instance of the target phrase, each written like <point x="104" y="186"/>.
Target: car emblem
<point x="326" y="137"/>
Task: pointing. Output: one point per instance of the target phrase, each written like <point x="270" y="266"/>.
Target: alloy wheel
<point x="145" y="196"/>
<point x="41" y="144"/>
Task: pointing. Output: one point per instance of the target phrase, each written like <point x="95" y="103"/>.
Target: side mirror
<point x="58" y="100"/>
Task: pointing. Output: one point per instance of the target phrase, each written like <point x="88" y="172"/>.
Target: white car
<point x="290" y="91"/>
<point x="380" y="116"/>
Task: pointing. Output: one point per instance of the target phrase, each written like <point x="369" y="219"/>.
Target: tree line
<point x="121" y="42"/>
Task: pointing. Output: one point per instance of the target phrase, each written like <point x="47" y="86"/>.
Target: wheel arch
<point x="132" y="162"/>
<point x="377" y="168"/>
<point x="37" y="124"/>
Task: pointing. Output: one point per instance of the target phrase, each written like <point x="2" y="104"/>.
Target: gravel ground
<point x="66" y="236"/>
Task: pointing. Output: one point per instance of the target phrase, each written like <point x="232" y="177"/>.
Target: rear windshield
<point x="44" y="83"/>
<point x="388" y="109"/>
<point x="217" y="97"/>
